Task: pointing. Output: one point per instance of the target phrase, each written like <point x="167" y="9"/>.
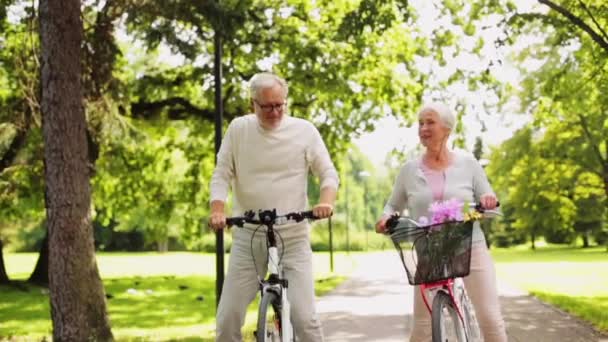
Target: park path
<point x="374" y="304"/>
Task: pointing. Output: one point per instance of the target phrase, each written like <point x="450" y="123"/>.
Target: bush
<point x="357" y="240"/>
<point x="207" y="242"/>
<point x="502" y="235"/>
<point x="560" y="236"/>
<point x="601" y="236"/>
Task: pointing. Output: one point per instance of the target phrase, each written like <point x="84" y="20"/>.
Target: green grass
<point x="572" y="278"/>
<point x="155" y="297"/>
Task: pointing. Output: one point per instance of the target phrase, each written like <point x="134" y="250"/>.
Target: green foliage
<point x="162" y="189"/>
<point x="552" y="174"/>
<point x="356" y="239"/>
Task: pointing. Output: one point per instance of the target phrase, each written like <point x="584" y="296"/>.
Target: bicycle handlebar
<point x="269" y="217"/>
<point x="391" y="222"/>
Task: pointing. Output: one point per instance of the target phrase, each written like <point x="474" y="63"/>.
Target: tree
<point x="335" y="80"/>
<point x="478" y="148"/>
<point x="78" y="308"/>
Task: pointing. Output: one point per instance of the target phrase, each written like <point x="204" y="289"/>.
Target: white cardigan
<point x="465" y="180"/>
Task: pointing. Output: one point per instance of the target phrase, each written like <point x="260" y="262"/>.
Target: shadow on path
<point x="375" y="304"/>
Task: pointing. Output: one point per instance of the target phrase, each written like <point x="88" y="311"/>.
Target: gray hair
<point x="265" y="80"/>
<point x="445" y="114"/>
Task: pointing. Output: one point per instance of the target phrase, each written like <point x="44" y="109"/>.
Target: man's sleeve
<point x="320" y="162"/>
<point x="224" y="170"/>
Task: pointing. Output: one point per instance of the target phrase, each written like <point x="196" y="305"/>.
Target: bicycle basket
<point x="435" y="253"/>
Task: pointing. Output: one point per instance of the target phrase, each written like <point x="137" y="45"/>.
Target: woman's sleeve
<point x="398" y="200"/>
<point x="481" y="185"/>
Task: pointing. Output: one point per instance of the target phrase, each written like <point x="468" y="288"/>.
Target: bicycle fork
<point x="449" y="286"/>
<point x="279" y="285"/>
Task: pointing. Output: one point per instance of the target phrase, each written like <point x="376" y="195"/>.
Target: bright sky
<point x="499" y="126"/>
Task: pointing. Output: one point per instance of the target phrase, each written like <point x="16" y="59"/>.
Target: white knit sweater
<point x="269" y="169"/>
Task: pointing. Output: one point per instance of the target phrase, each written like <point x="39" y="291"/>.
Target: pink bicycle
<point x="436" y="257"/>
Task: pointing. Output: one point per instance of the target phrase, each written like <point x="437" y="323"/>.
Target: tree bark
<point x="4" y="279"/>
<point x="78" y="308"/>
<point x="40" y="275"/>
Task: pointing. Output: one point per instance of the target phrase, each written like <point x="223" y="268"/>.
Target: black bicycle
<point x="274" y="323"/>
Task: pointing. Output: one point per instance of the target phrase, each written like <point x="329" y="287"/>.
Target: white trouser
<point x="241" y="282"/>
<point x="481" y="288"/>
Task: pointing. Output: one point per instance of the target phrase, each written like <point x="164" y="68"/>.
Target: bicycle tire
<point x="269" y="319"/>
<point x="471" y="324"/>
<point x="447" y="326"/>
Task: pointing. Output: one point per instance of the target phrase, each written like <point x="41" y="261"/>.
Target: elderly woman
<point x="438" y="175"/>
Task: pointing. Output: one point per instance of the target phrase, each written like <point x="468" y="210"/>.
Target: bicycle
<point x="272" y="326"/>
<point x="436" y="257"/>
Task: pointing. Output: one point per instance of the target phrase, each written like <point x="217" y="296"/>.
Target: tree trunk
<point x="78" y="307"/>
<point x="3" y="275"/>
<point x="586" y="234"/>
<point x="533" y="238"/>
<point x="163" y="246"/>
<point x="40" y="275"/>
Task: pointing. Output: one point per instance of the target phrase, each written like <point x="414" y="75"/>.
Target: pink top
<point x="435" y="179"/>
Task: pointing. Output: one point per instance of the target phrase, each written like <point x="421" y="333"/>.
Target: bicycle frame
<point x="448" y="285"/>
<point x="274" y="284"/>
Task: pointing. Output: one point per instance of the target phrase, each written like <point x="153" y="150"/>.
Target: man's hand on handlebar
<point x="217" y="221"/>
<point x="381" y="224"/>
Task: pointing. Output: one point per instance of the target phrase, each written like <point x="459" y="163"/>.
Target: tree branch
<point x="577" y="22"/>
<point x="178" y="108"/>
<point x="593" y="144"/>
<point x="593" y="19"/>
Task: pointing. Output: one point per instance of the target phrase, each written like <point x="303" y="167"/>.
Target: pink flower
<point x="450" y="210"/>
<point x="423" y="221"/>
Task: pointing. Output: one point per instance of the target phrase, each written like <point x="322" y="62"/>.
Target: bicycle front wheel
<point x="447" y="326"/>
<point x="269" y="319"/>
<point x="472" y="327"/>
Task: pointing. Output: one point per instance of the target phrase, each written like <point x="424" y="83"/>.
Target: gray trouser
<point x="241" y="283"/>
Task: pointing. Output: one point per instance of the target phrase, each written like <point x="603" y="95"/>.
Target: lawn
<point x="153" y="297"/>
<point x="572" y="278"/>
<point x="171" y="297"/>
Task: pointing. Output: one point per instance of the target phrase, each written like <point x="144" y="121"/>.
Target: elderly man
<point x="266" y="157"/>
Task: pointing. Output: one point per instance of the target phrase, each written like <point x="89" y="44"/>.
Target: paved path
<point x="375" y="304"/>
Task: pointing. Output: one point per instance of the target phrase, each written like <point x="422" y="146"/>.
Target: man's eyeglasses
<point x="268" y="108"/>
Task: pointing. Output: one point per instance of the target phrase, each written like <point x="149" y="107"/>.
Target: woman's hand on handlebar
<point x="323" y="210"/>
<point x="488" y="201"/>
